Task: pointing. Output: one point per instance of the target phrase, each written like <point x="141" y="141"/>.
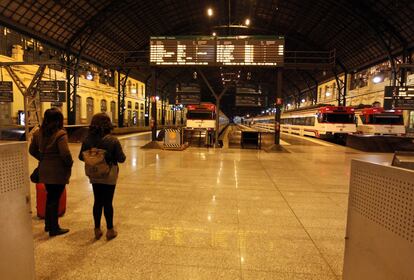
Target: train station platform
<point x="209" y="214"/>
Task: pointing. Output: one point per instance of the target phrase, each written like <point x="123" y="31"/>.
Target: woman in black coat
<point x="50" y="146"/>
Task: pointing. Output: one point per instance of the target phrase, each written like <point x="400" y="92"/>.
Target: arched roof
<point x="361" y="32"/>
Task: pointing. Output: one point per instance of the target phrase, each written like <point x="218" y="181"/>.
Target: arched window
<point x="78" y="109"/>
<point x="113" y="111"/>
<point x="104" y="106"/>
<point x="89" y="109"/>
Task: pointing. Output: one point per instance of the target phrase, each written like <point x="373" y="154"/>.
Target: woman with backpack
<point x="101" y="153"/>
<point x="50" y="146"/>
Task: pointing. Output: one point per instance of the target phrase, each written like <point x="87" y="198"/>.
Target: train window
<point x="312" y="122"/>
<point x="387" y="119"/>
<point x="308" y="121"/>
<point x="200" y="115"/>
<point x="363" y="119"/>
<point x="336" y="118"/>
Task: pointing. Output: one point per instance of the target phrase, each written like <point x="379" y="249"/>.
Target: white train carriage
<point x="320" y="122"/>
<point x="203" y="116"/>
<point x="377" y="121"/>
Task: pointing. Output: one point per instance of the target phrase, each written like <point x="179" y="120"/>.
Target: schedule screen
<point x="218" y="51"/>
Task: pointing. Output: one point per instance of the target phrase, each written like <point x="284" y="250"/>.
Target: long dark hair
<point x="52" y="122"/>
<point x="100" y="125"/>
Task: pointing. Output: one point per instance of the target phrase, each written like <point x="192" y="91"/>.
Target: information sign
<point x="244" y="100"/>
<point x="188" y="98"/>
<point x="217" y="51"/>
<point x="399" y="97"/>
<point x="52" y="91"/>
<point x="6" y="91"/>
<point x="247" y="90"/>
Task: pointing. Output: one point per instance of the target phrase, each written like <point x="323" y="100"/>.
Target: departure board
<point x="399" y="97"/>
<point x="217" y="51"/>
<point x="184" y="51"/>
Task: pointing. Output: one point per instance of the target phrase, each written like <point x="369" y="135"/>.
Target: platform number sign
<point x="6" y="91"/>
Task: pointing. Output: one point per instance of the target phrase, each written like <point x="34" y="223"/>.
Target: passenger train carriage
<point x="203" y="116"/>
<point x="320" y="122"/>
<point x="377" y="121"/>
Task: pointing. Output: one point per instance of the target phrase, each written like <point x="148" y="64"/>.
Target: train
<point x="328" y="121"/>
<point x="377" y="121"/>
<point x="203" y="116"/>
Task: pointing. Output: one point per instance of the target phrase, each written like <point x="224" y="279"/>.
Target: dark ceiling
<point x="361" y="31"/>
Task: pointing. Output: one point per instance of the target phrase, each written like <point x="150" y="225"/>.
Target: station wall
<point x="93" y="97"/>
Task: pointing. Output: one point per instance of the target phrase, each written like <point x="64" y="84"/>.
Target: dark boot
<point x="59" y="231"/>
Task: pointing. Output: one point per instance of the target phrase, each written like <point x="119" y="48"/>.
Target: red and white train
<point x="377" y="121"/>
<point x="203" y="116"/>
<point x="330" y="121"/>
<point x="321" y="122"/>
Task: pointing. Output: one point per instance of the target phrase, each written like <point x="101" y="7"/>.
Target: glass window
<point x="89" y="109"/>
<point x="336" y="118"/>
<point x="387" y="119"/>
<point x="200" y="115"/>
<point x="104" y="106"/>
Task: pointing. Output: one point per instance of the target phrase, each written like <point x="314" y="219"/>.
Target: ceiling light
<point x="247" y="22"/>
<point x="210" y="12"/>
<point x="89" y="76"/>
<point x="378" y="78"/>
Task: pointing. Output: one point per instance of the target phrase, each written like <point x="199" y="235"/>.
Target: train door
<point x="78" y="110"/>
<point x="113" y="111"/>
<point x="410" y="122"/>
<point x="89" y="109"/>
<point x="5" y="113"/>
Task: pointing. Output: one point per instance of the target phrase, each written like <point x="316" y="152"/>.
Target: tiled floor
<point x="209" y="214"/>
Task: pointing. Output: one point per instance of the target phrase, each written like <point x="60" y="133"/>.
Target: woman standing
<point x="103" y="188"/>
<point x="50" y="147"/>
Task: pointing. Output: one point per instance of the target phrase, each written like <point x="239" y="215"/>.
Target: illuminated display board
<point x="217" y="51"/>
<point x="399" y="97"/>
<point x="182" y="51"/>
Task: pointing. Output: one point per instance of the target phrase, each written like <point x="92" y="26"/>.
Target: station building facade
<point x="97" y="90"/>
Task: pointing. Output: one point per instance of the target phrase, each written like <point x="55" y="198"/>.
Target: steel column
<point x="121" y="97"/>
<point x="72" y="81"/>
<point x="279" y="85"/>
<point x="154" y="106"/>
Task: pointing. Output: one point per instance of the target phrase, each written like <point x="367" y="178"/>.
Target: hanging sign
<point x="52" y="91"/>
<point x="6" y="91"/>
<point x="188" y="98"/>
<point x="399" y="97"/>
<point x="244" y="100"/>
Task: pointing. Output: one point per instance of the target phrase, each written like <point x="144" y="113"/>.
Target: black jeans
<point x="54" y="192"/>
<point x="104" y="195"/>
